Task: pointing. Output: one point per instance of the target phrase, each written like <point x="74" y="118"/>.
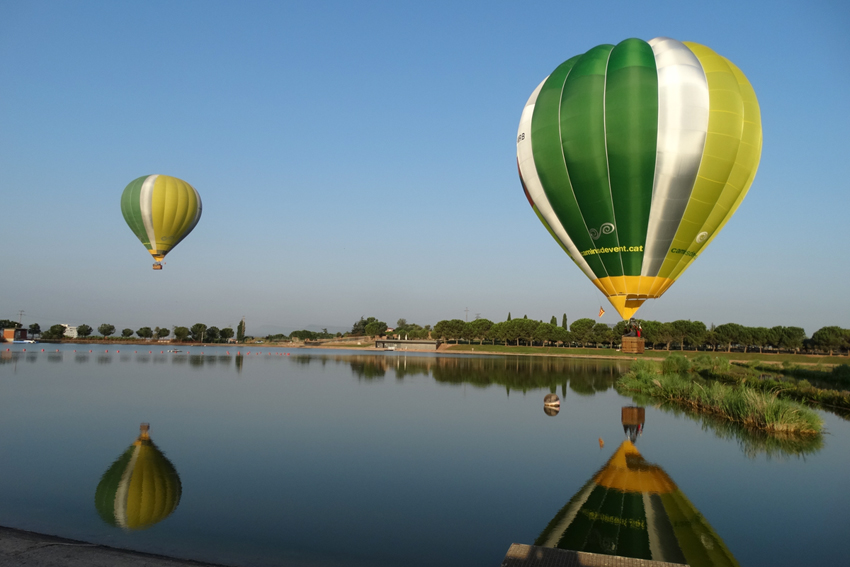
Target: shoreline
<point x="26" y="548"/>
<point x="488" y="350"/>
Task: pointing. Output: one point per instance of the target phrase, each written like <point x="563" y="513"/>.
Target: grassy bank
<point x="768" y="358"/>
<point x="737" y="403"/>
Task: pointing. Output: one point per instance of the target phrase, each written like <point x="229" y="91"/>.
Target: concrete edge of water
<point x="521" y="555"/>
<point x="30" y="549"/>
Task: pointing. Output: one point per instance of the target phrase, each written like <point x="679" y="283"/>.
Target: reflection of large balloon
<point x="140" y="489"/>
<point x="634" y="157"/>
<point x="631" y="508"/>
<point x="161" y="211"/>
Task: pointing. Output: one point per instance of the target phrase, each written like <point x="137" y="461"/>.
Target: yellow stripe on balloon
<point x="725" y="129"/>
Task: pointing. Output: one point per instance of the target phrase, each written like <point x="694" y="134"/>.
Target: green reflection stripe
<point x="631" y="130"/>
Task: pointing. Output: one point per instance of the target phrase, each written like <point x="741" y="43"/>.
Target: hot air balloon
<point x="634" y="157"/>
<point x="161" y="211"/>
<point x="631" y="508"/>
<point x="140" y="489"/>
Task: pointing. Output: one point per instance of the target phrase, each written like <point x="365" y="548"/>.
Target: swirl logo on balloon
<point x="606" y="228"/>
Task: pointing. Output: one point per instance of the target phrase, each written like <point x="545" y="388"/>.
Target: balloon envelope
<point x="634" y="157"/>
<point x="161" y="211"/>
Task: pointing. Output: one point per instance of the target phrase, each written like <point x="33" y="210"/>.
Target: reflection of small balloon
<point x="140" y="489"/>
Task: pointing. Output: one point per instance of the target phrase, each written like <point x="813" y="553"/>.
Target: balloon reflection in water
<point x="140" y="489"/>
<point x="551" y="404"/>
<point x="631" y="508"/>
<point x="632" y="419"/>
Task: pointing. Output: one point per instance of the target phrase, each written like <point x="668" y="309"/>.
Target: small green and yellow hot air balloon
<point x="634" y="156"/>
<point x="161" y="211"/>
<point x="140" y="489"/>
<point x="631" y="508"/>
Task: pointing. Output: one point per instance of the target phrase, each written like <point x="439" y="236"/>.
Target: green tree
<point x="509" y="316"/>
<point x="84" y="330"/>
<point x="213" y="334"/>
<point x="479" y="329"/>
<point x="54" y="332"/>
<point x="226" y="333"/>
<point x="240" y="331"/>
<point x="696" y="334"/>
<point x="34" y="329"/>
<point x="650" y="331"/>
<point x="9" y="324"/>
<point x="711" y="337"/>
<point x="829" y="338"/>
<point x="728" y="334"/>
<point x="497" y="333"/>
<point x="679" y="330"/>
<point x="620" y="329"/>
<point x="562" y="336"/>
<point x="376" y="328"/>
<point x="144" y="332"/>
<point x="401" y="324"/>
<point x="198" y="330"/>
<point x="127" y="333"/>
<point x="564" y="322"/>
<point x="450" y="329"/>
<point x="760" y="337"/>
<point x="105" y="329"/>
<point x="793" y="338"/>
<point x="553" y="321"/>
<point x="581" y="329"/>
<point x="665" y="334"/>
<point x="602" y="333"/>
<point x="546" y="332"/>
<point x="181" y="333"/>
<point x="161" y="332"/>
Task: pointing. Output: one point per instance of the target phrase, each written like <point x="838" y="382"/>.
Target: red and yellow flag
<point x="601" y="312"/>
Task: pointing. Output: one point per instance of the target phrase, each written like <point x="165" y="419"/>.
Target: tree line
<point x="198" y="332"/>
<point x="682" y="334"/>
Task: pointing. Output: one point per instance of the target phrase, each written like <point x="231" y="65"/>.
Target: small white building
<point x="70" y="332"/>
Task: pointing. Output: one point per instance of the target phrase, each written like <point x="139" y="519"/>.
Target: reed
<point x="740" y="404"/>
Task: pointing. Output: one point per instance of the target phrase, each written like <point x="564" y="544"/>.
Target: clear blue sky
<point x="358" y="158"/>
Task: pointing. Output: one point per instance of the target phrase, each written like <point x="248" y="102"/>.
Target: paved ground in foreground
<point x="520" y="555"/>
<point x="27" y="549"/>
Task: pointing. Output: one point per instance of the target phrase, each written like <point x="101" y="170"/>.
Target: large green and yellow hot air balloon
<point x="634" y="157"/>
<point x="161" y="211"/>
<point x="140" y="489"/>
<point x="632" y="508"/>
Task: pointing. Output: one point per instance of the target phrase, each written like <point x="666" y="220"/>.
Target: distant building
<point x="70" y="332"/>
<point x="14" y="334"/>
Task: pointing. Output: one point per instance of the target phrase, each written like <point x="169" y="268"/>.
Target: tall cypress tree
<point x="554" y="321"/>
<point x="564" y="321"/>
<point x="240" y="331"/>
<point x="509" y="315"/>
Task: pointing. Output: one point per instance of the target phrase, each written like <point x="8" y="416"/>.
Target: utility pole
<point x="20" y="317"/>
<point x="467" y="314"/>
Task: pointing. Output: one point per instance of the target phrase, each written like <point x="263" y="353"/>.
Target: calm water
<point x="332" y="458"/>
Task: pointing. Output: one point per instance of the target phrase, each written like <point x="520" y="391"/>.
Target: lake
<point x="340" y="458"/>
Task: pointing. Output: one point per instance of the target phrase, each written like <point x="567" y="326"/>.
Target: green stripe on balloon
<point x="583" y="145"/>
<point x="132" y="211"/>
<point x="549" y="162"/>
<point x="631" y="134"/>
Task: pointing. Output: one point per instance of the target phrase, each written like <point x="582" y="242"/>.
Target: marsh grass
<point x="751" y="408"/>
